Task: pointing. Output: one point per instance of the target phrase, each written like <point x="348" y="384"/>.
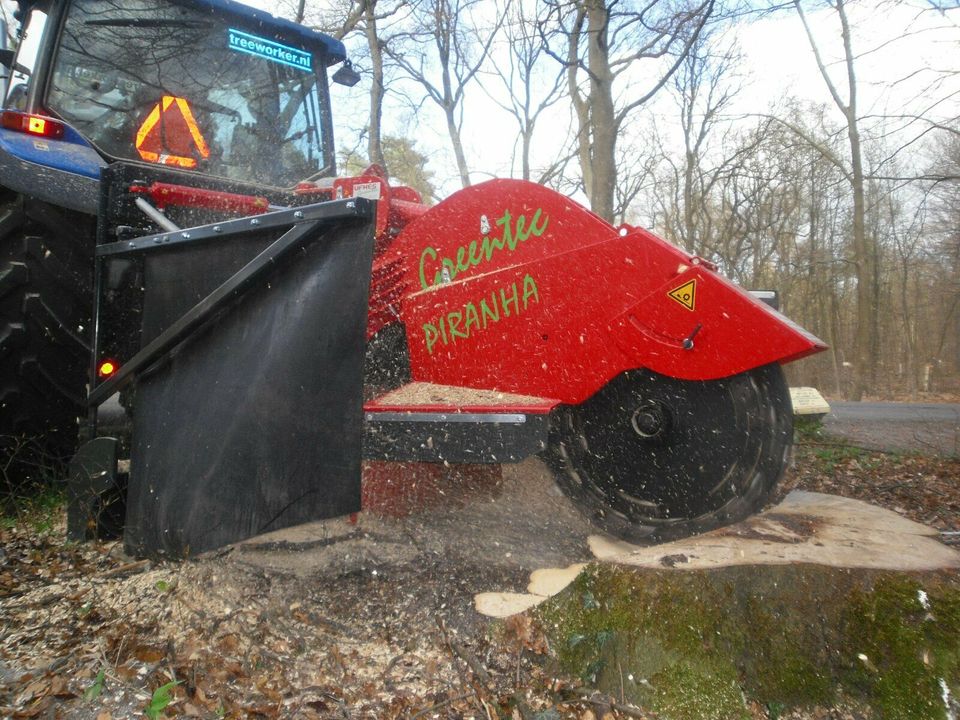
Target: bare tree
<point x="703" y="89"/>
<point x="363" y="15"/>
<point x="366" y="16"/>
<point x="526" y="88"/>
<point x="600" y="43"/>
<point x="377" y="88"/>
<point x="442" y="52"/>
<point x="865" y="255"/>
<point x="945" y="226"/>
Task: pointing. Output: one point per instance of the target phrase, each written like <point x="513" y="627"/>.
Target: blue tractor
<point x="106" y="97"/>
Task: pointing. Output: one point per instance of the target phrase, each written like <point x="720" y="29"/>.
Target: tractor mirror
<point x="6" y="58"/>
<point x="346" y="75"/>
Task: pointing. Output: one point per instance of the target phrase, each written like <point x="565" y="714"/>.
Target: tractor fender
<point x="513" y="287"/>
<point x="63" y="172"/>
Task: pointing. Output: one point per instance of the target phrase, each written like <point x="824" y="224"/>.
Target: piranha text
<point x="474" y="317"/>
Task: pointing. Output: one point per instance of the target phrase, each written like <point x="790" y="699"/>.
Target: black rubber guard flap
<point x="255" y="422"/>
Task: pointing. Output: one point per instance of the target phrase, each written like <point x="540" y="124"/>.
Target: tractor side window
<point x="25" y="60"/>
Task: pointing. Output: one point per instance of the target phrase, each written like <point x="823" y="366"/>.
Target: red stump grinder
<point x="650" y="384"/>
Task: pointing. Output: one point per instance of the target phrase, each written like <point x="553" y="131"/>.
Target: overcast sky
<point x="901" y="48"/>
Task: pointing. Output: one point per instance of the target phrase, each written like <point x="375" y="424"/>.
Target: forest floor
<point x="381" y="626"/>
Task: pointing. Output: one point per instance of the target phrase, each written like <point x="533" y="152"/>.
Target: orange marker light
<point x="107" y="368"/>
<point x="32" y="124"/>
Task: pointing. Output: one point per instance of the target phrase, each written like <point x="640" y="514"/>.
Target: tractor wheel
<point x="651" y="458"/>
<point x="46" y="272"/>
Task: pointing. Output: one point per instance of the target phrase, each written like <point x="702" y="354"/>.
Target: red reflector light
<point x="107" y="368"/>
<point x="31" y="124"/>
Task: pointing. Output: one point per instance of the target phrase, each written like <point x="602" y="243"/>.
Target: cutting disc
<point x="651" y="458"/>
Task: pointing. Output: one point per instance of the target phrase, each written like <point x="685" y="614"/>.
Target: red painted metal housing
<point x="513" y="287"/>
<point x="166" y="195"/>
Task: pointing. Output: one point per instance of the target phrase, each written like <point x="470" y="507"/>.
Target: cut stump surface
<point x="806" y="528"/>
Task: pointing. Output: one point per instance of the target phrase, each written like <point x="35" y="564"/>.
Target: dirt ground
<point x="339" y="620"/>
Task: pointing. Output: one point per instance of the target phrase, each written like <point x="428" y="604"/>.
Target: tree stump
<point x="820" y="601"/>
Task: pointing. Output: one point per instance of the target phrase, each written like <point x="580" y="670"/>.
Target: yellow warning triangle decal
<point x="686" y="294"/>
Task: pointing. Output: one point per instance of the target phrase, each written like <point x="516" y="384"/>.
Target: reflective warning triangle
<point x="170" y="134"/>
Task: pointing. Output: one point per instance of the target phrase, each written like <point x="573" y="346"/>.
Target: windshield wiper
<point x="150" y="23"/>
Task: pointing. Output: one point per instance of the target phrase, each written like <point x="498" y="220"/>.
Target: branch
<point x="705" y="10"/>
<point x="822" y="149"/>
<point x="463" y="80"/>
<point x="349" y="23"/>
<point x="816" y="53"/>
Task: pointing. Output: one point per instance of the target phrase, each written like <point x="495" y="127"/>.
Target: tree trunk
<point x="454" y="130"/>
<point x="603" y="124"/>
<point x="581" y="105"/>
<point x="527" y="139"/>
<point x="819" y="600"/>
<point x="866" y="261"/>
<point x="864" y="248"/>
<point x="445" y="46"/>
<point x="689" y="227"/>
<point x="374" y="139"/>
<point x="863" y="258"/>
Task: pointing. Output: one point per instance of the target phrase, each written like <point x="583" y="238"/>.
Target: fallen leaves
<point x="86" y="630"/>
<point x="523" y="631"/>
<point x="921" y="487"/>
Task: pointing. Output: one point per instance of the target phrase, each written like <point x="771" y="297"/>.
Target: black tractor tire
<point x="46" y="299"/>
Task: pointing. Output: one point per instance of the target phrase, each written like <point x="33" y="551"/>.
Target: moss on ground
<point x="38" y="508"/>
<point x="696" y="644"/>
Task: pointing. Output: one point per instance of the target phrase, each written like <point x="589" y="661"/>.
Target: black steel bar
<point x="325" y="211"/>
<point x="92" y="410"/>
<point x="193" y="318"/>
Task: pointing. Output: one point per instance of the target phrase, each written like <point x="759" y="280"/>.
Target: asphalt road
<point x="927" y="427"/>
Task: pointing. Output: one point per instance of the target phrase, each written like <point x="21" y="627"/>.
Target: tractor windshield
<point x="164" y="83"/>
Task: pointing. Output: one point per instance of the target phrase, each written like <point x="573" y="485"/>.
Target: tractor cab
<point x="209" y="86"/>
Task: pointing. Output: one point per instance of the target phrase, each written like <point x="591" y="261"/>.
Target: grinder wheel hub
<point x="651" y="421"/>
